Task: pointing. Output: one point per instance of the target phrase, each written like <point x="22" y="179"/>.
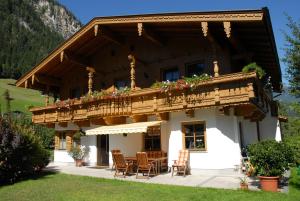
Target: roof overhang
<point x="89" y="30"/>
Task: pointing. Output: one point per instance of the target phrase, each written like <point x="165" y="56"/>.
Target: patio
<point x="225" y="179"/>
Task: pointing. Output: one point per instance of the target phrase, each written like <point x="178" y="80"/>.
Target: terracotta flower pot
<point x="244" y="186"/>
<point x="78" y="162"/>
<point x="269" y="183"/>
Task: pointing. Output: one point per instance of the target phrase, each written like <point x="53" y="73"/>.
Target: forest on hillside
<point x="25" y="39"/>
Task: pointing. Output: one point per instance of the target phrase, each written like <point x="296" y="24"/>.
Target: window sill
<point x="198" y="150"/>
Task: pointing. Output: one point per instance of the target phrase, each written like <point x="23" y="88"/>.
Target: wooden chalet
<point x="215" y="118"/>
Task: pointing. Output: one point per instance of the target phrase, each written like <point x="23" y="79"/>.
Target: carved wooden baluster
<point x="216" y="69"/>
<point x="131" y="58"/>
<point x="91" y="72"/>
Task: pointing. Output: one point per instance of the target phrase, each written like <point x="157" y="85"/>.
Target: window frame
<point x="183" y="124"/>
<point x="60" y="147"/>
<point x="186" y="65"/>
<point x="151" y="137"/>
<point x="122" y="79"/>
<point x="163" y="70"/>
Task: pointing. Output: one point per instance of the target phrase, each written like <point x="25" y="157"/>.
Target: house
<point x="102" y="83"/>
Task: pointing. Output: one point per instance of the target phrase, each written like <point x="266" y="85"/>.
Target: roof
<point x="253" y="26"/>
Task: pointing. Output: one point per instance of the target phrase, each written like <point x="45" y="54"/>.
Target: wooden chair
<point x="181" y="165"/>
<point x="121" y="165"/>
<point x="144" y="165"/>
<point x="113" y="151"/>
<point x="158" y="154"/>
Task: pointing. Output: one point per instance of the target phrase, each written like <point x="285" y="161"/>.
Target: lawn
<point x="22" y="98"/>
<point x="68" y="187"/>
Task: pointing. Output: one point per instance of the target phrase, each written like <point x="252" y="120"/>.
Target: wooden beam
<point x="97" y="121"/>
<point x="106" y="33"/>
<point x="114" y="120"/>
<point x="84" y="123"/>
<point x="162" y="116"/>
<point x="147" y="33"/>
<point x="48" y="80"/>
<point x="69" y="56"/>
<point x="139" y="118"/>
<point x="207" y="34"/>
<point x="63" y="124"/>
<point x="190" y="113"/>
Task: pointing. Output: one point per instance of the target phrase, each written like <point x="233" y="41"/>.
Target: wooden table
<point x="157" y="161"/>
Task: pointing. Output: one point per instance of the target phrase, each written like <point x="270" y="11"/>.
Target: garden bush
<point x="21" y="152"/>
<point x="270" y="158"/>
<point x="294" y="142"/>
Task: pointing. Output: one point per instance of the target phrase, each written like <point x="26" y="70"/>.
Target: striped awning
<point x="140" y="127"/>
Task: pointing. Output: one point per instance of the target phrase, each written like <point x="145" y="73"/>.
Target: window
<point x="75" y="92"/>
<point x="194" y="135"/>
<point x="121" y="84"/>
<point x="171" y="74"/>
<point x="62" y="141"/>
<point x="195" y="68"/>
<point x="152" y="139"/>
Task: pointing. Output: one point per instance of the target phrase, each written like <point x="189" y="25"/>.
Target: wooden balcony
<point x="237" y="90"/>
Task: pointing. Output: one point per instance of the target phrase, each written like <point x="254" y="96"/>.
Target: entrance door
<point x="102" y="150"/>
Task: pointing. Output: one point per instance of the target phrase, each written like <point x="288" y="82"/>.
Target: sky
<point x="85" y="10"/>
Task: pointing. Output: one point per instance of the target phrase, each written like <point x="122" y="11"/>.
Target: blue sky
<point x="85" y="10"/>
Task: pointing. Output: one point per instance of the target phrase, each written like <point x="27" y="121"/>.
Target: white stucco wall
<point x="223" y="149"/>
<point x="270" y="128"/>
<point x="91" y="142"/>
<point x="249" y="131"/>
<point x="62" y="156"/>
<point x="128" y="145"/>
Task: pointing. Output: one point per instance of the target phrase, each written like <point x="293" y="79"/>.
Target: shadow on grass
<point x="44" y="174"/>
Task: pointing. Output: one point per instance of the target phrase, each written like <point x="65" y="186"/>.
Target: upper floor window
<point x="121" y="84"/>
<point x="194" y="135"/>
<point x="171" y="74"/>
<point x="75" y="92"/>
<point x="194" y="68"/>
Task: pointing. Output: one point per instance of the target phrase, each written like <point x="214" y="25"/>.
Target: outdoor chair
<point x="121" y="165"/>
<point x="143" y="165"/>
<point x="113" y="151"/>
<point x="181" y="165"/>
<point x="158" y="154"/>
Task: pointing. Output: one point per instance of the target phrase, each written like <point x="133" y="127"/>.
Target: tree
<point x="292" y="56"/>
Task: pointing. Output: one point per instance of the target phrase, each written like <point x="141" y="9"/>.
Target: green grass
<point x="22" y="98"/>
<point x="69" y="187"/>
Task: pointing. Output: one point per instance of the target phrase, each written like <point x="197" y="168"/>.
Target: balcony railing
<point x="225" y="90"/>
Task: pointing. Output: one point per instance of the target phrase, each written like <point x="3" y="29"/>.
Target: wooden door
<point x="102" y="150"/>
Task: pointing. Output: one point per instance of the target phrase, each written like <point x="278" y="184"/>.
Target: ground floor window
<point x="62" y="141"/>
<point x="152" y="139"/>
<point x="194" y="135"/>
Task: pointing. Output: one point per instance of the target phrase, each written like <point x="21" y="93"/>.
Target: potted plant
<point x="270" y="160"/>
<point x="244" y="183"/>
<point x="78" y="153"/>
<point x="254" y="67"/>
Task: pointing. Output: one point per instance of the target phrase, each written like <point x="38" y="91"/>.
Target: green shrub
<point x="254" y="67"/>
<point x="294" y="142"/>
<point x="270" y="158"/>
<point x="21" y="152"/>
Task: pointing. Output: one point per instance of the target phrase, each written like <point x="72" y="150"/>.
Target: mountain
<point x="29" y="30"/>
